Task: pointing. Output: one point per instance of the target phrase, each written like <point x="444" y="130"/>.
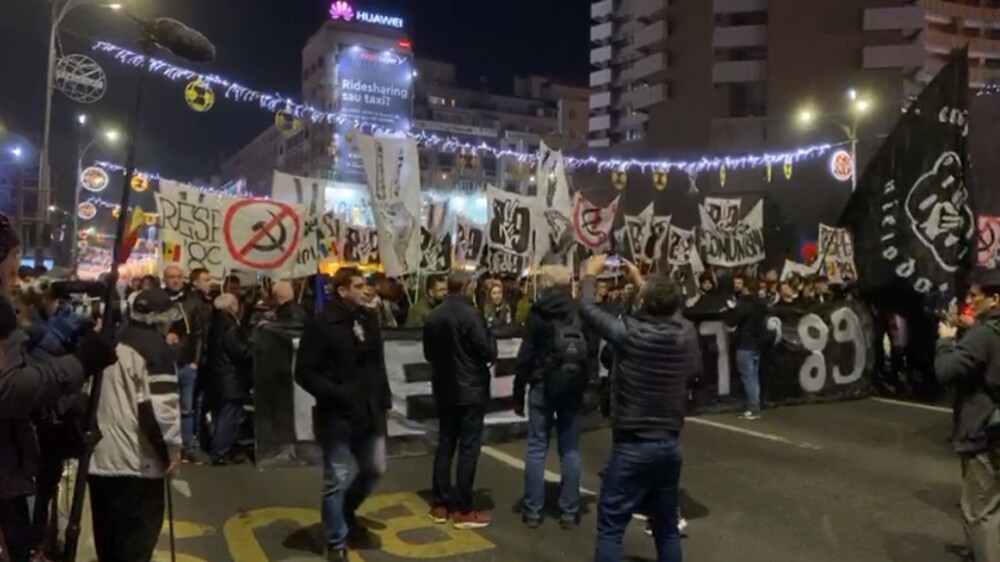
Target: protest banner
<point x="729" y="244"/>
<point x="190" y="227"/>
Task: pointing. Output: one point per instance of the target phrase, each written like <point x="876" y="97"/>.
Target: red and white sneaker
<point x="439" y="515"/>
<point x="471" y="520"/>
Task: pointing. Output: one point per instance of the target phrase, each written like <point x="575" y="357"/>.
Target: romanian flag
<point x="135" y="222"/>
<point x="171" y="252"/>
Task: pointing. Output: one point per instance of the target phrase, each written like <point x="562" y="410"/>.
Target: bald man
<point x="287" y="311"/>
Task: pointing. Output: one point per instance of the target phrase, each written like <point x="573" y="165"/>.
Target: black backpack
<point x="565" y="371"/>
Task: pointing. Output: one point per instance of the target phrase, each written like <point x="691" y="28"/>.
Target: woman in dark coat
<point x="229" y="375"/>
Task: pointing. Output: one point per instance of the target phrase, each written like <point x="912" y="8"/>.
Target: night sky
<point x="259" y="44"/>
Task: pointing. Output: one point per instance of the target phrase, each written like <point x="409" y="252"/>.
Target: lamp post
<point x="59" y="12"/>
<point x="111" y="136"/>
<point x="858" y="108"/>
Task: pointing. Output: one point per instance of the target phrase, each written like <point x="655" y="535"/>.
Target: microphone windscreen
<point x="183" y="41"/>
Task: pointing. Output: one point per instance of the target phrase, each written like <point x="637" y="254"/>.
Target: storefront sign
<point x="342" y="10"/>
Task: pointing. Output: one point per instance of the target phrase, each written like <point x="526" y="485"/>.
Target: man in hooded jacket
<point x="536" y="361"/>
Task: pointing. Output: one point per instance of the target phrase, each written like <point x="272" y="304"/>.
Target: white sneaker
<point x="748" y="415"/>
<point x="682" y="524"/>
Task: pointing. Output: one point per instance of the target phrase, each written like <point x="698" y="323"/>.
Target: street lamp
<point x="859" y="106"/>
<point x="59" y="12"/>
<point x="81" y="118"/>
<point x="112" y="135"/>
<point x="16" y="151"/>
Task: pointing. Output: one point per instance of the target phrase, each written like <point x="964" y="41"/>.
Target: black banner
<point x="910" y="215"/>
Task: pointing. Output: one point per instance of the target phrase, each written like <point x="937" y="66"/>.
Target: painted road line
<point x="550" y="476"/>
<point x="752" y="433"/>
<point x="917" y="405"/>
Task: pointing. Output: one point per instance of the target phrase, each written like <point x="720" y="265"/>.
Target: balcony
<point x="650" y="65"/>
<point x="600" y="78"/>
<point x="600" y="100"/>
<point x="948" y="11"/>
<point x="649" y="9"/>
<point x="740" y="36"/>
<point x="908" y="55"/>
<point x="652" y="36"/>
<point x="631" y="121"/>
<point x="602" y="32"/>
<point x="602" y="11"/>
<point x="739" y="6"/>
<point x="601" y="56"/>
<point x="730" y="72"/>
<point x="941" y="42"/>
<point x="903" y="18"/>
<point x="651" y="95"/>
<point x="600" y="123"/>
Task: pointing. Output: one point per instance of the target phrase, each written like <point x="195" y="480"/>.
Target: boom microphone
<point x="179" y="39"/>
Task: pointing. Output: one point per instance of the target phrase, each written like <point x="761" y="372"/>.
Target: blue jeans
<point x="187" y="382"/>
<point x="544" y="414"/>
<point x="748" y="363"/>
<point x="342" y="492"/>
<point x="641" y="473"/>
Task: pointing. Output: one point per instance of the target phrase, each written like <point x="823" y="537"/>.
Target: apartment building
<point x="688" y="76"/>
<point x="344" y="60"/>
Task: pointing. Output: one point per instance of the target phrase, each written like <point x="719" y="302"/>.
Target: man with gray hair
<point x="553" y="361"/>
<point x="228" y="371"/>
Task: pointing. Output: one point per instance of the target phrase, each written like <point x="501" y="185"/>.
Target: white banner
<point x="837" y="249"/>
<point x="646" y="235"/>
<point x="190" y="225"/>
<point x="512" y="220"/>
<point x="682" y="249"/>
<point x="554" y="235"/>
<point x="393" y="169"/>
<point x="728" y="245"/>
<point x="592" y="224"/>
<point x="309" y="193"/>
<point x="470" y="243"/>
<point x="794" y="268"/>
<point x="266" y="236"/>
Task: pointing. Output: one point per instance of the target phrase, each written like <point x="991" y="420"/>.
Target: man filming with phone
<point x="971" y="364"/>
<point x="25" y="386"/>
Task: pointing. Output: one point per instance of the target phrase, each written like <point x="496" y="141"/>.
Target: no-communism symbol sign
<point x="261" y="234"/>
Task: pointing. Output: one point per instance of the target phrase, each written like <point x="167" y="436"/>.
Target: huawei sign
<point x="342" y="10"/>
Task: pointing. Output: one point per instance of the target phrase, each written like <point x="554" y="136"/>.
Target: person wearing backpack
<point x="553" y="362"/>
<point x="971" y="364"/>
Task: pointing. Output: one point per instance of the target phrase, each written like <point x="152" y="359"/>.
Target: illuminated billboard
<point x="375" y="87"/>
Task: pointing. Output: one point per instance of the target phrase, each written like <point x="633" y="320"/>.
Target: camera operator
<point x="972" y="366"/>
<point x="26" y="386"/>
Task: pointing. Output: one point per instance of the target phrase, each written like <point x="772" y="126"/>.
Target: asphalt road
<point x="861" y="481"/>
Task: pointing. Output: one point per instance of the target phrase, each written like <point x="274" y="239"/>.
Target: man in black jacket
<point x="972" y="366"/>
<point x="460" y="349"/>
<point x="228" y="372"/>
<point x="558" y="381"/>
<point x="341" y="362"/>
<point x="188" y="336"/>
<point x="748" y="315"/>
<point x="26" y="386"/>
<point x="656" y="353"/>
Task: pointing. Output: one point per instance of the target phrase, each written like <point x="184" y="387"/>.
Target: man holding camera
<point x="972" y="365"/>
<point x="656" y="353"/>
<point x="25" y="386"/>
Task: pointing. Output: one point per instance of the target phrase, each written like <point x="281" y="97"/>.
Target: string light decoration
<point x="112" y="167"/>
<point x="275" y="102"/>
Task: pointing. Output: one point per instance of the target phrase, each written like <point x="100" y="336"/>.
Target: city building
<point x="731" y="75"/>
<point x="24" y="203"/>
<point x="367" y="71"/>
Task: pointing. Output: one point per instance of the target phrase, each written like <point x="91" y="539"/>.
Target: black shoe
<point x="196" y="457"/>
<point x="569" y="523"/>
<point x="532" y="522"/>
<point x="336" y="555"/>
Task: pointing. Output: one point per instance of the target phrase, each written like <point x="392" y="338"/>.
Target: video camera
<point x="84" y="298"/>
